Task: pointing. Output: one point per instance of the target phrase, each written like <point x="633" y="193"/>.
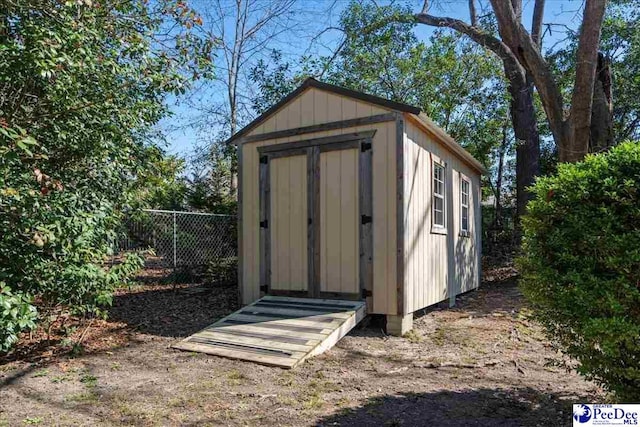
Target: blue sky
<point x="318" y="15"/>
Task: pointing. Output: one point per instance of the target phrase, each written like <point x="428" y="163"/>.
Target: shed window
<point x="438" y="195"/>
<point x="464" y="205"/>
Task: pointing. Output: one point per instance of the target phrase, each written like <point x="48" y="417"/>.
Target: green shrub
<point x="16" y="315"/>
<point x="83" y="88"/>
<point x="223" y="271"/>
<point x="581" y="265"/>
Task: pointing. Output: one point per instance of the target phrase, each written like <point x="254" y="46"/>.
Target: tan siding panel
<point x="267" y="126"/>
<point x="315" y="106"/>
<point x="307" y="104"/>
<point x="334" y="108"/>
<point x="437" y="263"/>
<point x="349" y="110"/>
<point x="321" y="107"/>
<point x="294" y="118"/>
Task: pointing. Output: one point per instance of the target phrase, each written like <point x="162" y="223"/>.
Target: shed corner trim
<point x="400" y="217"/>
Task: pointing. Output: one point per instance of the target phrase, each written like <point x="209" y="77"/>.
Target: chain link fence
<point x="184" y="246"/>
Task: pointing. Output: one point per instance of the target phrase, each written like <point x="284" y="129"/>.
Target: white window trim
<point x="467" y="232"/>
<point x="437" y="228"/>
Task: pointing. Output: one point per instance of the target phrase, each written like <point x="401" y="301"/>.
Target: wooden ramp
<point x="278" y="331"/>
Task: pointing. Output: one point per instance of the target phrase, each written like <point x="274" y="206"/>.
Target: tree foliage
<point x="275" y="80"/>
<point x="161" y="184"/>
<point x="581" y="265"/>
<point x="620" y="45"/>
<point x="83" y="85"/>
<point x="210" y="180"/>
<point x="450" y="78"/>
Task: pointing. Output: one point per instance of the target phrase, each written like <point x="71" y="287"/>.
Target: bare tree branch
<point x="484" y="39"/>
<point x="517" y="9"/>
<point x="425" y="7"/>
<point x="536" y="23"/>
<point x="335" y="54"/>
<point x="472" y="13"/>
<point x="571" y="132"/>
<point x="515" y="36"/>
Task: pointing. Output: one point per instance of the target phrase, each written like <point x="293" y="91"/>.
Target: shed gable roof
<point x="313" y="83"/>
<point x="421" y="118"/>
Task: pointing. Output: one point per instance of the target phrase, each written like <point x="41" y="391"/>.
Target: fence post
<point x="175" y="248"/>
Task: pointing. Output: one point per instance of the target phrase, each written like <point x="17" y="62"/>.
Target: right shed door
<point x="339" y="222"/>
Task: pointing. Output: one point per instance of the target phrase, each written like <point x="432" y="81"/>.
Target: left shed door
<point x="287" y="233"/>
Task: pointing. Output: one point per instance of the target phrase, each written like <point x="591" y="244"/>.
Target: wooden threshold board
<point x="278" y="331"/>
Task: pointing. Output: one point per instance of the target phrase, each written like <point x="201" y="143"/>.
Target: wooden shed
<point x="344" y="195"/>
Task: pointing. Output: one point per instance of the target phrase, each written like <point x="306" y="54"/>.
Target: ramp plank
<point x="281" y="329"/>
<point x="278" y="331"/>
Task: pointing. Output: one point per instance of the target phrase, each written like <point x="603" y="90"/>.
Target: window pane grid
<point x="438" y="195"/>
<point x="464" y="205"/>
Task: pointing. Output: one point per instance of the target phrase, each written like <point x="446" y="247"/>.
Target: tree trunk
<point x="233" y="167"/>
<point x="522" y="108"/>
<point x="601" y="131"/>
<point x="572" y="134"/>
<point x="525" y="129"/>
<point x="587" y="59"/>
<point x="497" y="221"/>
<point x="527" y="146"/>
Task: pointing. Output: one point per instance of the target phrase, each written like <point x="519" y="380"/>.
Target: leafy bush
<point x="83" y="86"/>
<point x="16" y="315"/>
<point x="223" y="271"/>
<point x="581" y="265"/>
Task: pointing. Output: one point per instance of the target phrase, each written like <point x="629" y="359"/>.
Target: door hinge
<point x="309" y="221"/>
<point x="365" y="219"/>
<point x="366" y="293"/>
<point x="264" y="288"/>
<point x="365" y="146"/>
<point x="264" y="159"/>
<point x="264" y="224"/>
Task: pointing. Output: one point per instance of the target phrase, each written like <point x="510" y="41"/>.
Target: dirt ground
<point x="480" y="363"/>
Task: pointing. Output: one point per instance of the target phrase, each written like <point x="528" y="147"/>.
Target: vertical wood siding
<point x="437" y="265"/>
<point x="313" y="107"/>
<point x="339" y="222"/>
<point x="288" y="228"/>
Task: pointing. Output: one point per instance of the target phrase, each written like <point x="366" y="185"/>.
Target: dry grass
<point x="482" y="362"/>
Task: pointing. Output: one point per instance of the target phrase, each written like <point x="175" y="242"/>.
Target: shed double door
<point x="315" y="200"/>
